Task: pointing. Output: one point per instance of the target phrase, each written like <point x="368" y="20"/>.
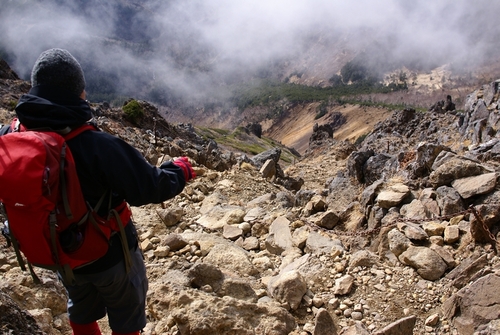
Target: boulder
<point x="288" y="287"/>
<point x="471" y="186"/>
<point x="478" y="304"/>
<point x="428" y="263"/>
<point x="402" y="326"/>
<point x="279" y="238"/>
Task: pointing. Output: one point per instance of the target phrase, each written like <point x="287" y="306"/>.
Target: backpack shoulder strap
<point x="77" y="131"/>
<point x="16" y="126"/>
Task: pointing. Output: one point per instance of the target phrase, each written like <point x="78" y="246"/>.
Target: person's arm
<point x="106" y="162"/>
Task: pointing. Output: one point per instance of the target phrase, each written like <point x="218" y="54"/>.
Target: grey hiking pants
<point x="122" y="296"/>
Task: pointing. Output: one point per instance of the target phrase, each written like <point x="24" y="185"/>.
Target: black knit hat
<point x="57" y="68"/>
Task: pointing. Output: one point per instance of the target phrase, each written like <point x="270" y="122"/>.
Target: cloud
<point x="192" y="45"/>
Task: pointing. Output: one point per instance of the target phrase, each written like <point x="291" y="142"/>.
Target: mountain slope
<point x="381" y="236"/>
<point x="295" y="127"/>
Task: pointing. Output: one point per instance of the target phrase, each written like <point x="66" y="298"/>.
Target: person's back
<point x="105" y="165"/>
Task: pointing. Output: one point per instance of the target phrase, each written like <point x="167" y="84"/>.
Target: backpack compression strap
<point x="123" y="237"/>
<point x="64" y="187"/>
<point x="121" y="214"/>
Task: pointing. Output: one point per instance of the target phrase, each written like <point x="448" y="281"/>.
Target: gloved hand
<point x="186" y="167"/>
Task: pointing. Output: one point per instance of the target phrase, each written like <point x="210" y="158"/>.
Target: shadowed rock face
<point x="6" y="72"/>
<point x="14" y="320"/>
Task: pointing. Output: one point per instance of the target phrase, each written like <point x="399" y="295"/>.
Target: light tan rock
<point x="471" y="186"/>
<point x="288" y="287"/>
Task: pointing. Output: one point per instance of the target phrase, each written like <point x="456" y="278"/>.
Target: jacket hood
<point x="46" y="108"/>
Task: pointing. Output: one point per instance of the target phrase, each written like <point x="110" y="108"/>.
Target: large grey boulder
<point x="272" y="154"/>
<point x="356" y="162"/>
<point x="470" y="186"/>
<point x="221" y="215"/>
<point x="324" y="323"/>
<point x="232" y="258"/>
<point x="426" y="153"/>
<point x="392" y="196"/>
<point x="195" y="312"/>
<point x="398" y="242"/>
<point x="449" y="200"/>
<point x="279" y="238"/>
<point x="322" y="245"/>
<point x="288" y="287"/>
<point x="428" y="263"/>
<point x="455" y="168"/>
<point x="341" y="193"/>
<point x="378" y="167"/>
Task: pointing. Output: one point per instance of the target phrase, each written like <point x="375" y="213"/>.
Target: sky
<point x="192" y="45"/>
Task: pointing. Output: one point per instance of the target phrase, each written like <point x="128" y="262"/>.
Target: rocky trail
<point x="396" y="235"/>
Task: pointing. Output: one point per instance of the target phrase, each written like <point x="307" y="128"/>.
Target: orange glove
<point x="186" y="167"/>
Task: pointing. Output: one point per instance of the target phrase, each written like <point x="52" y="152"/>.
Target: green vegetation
<point x="335" y="80"/>
<point x="356" y="71"/>
<point x="244" y="142"/>
<point x="238" y="139"/>
<point x="133" y="111"/>
<point x="269" y="92"/>
<point x="222" y="132"/>
<point x="379" y="104"/>
<point x="360" y="76"/>
<point x="322" y="110"/>
<point x="360" y="139"/>
<point x="12" y="104"/>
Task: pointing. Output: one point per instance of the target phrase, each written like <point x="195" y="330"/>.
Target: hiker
<point x="105" y="165"/>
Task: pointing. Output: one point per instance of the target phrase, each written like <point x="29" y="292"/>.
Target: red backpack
<point x="48" y="219"/>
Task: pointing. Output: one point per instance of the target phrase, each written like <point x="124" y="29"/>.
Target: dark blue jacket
<point x="104" y="162"/>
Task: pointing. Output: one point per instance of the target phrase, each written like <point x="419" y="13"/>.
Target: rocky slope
<point x="394" y="236"/>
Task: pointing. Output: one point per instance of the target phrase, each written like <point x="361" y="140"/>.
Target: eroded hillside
<point x="292" y="122"/>
<point x="295" y="127"/>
